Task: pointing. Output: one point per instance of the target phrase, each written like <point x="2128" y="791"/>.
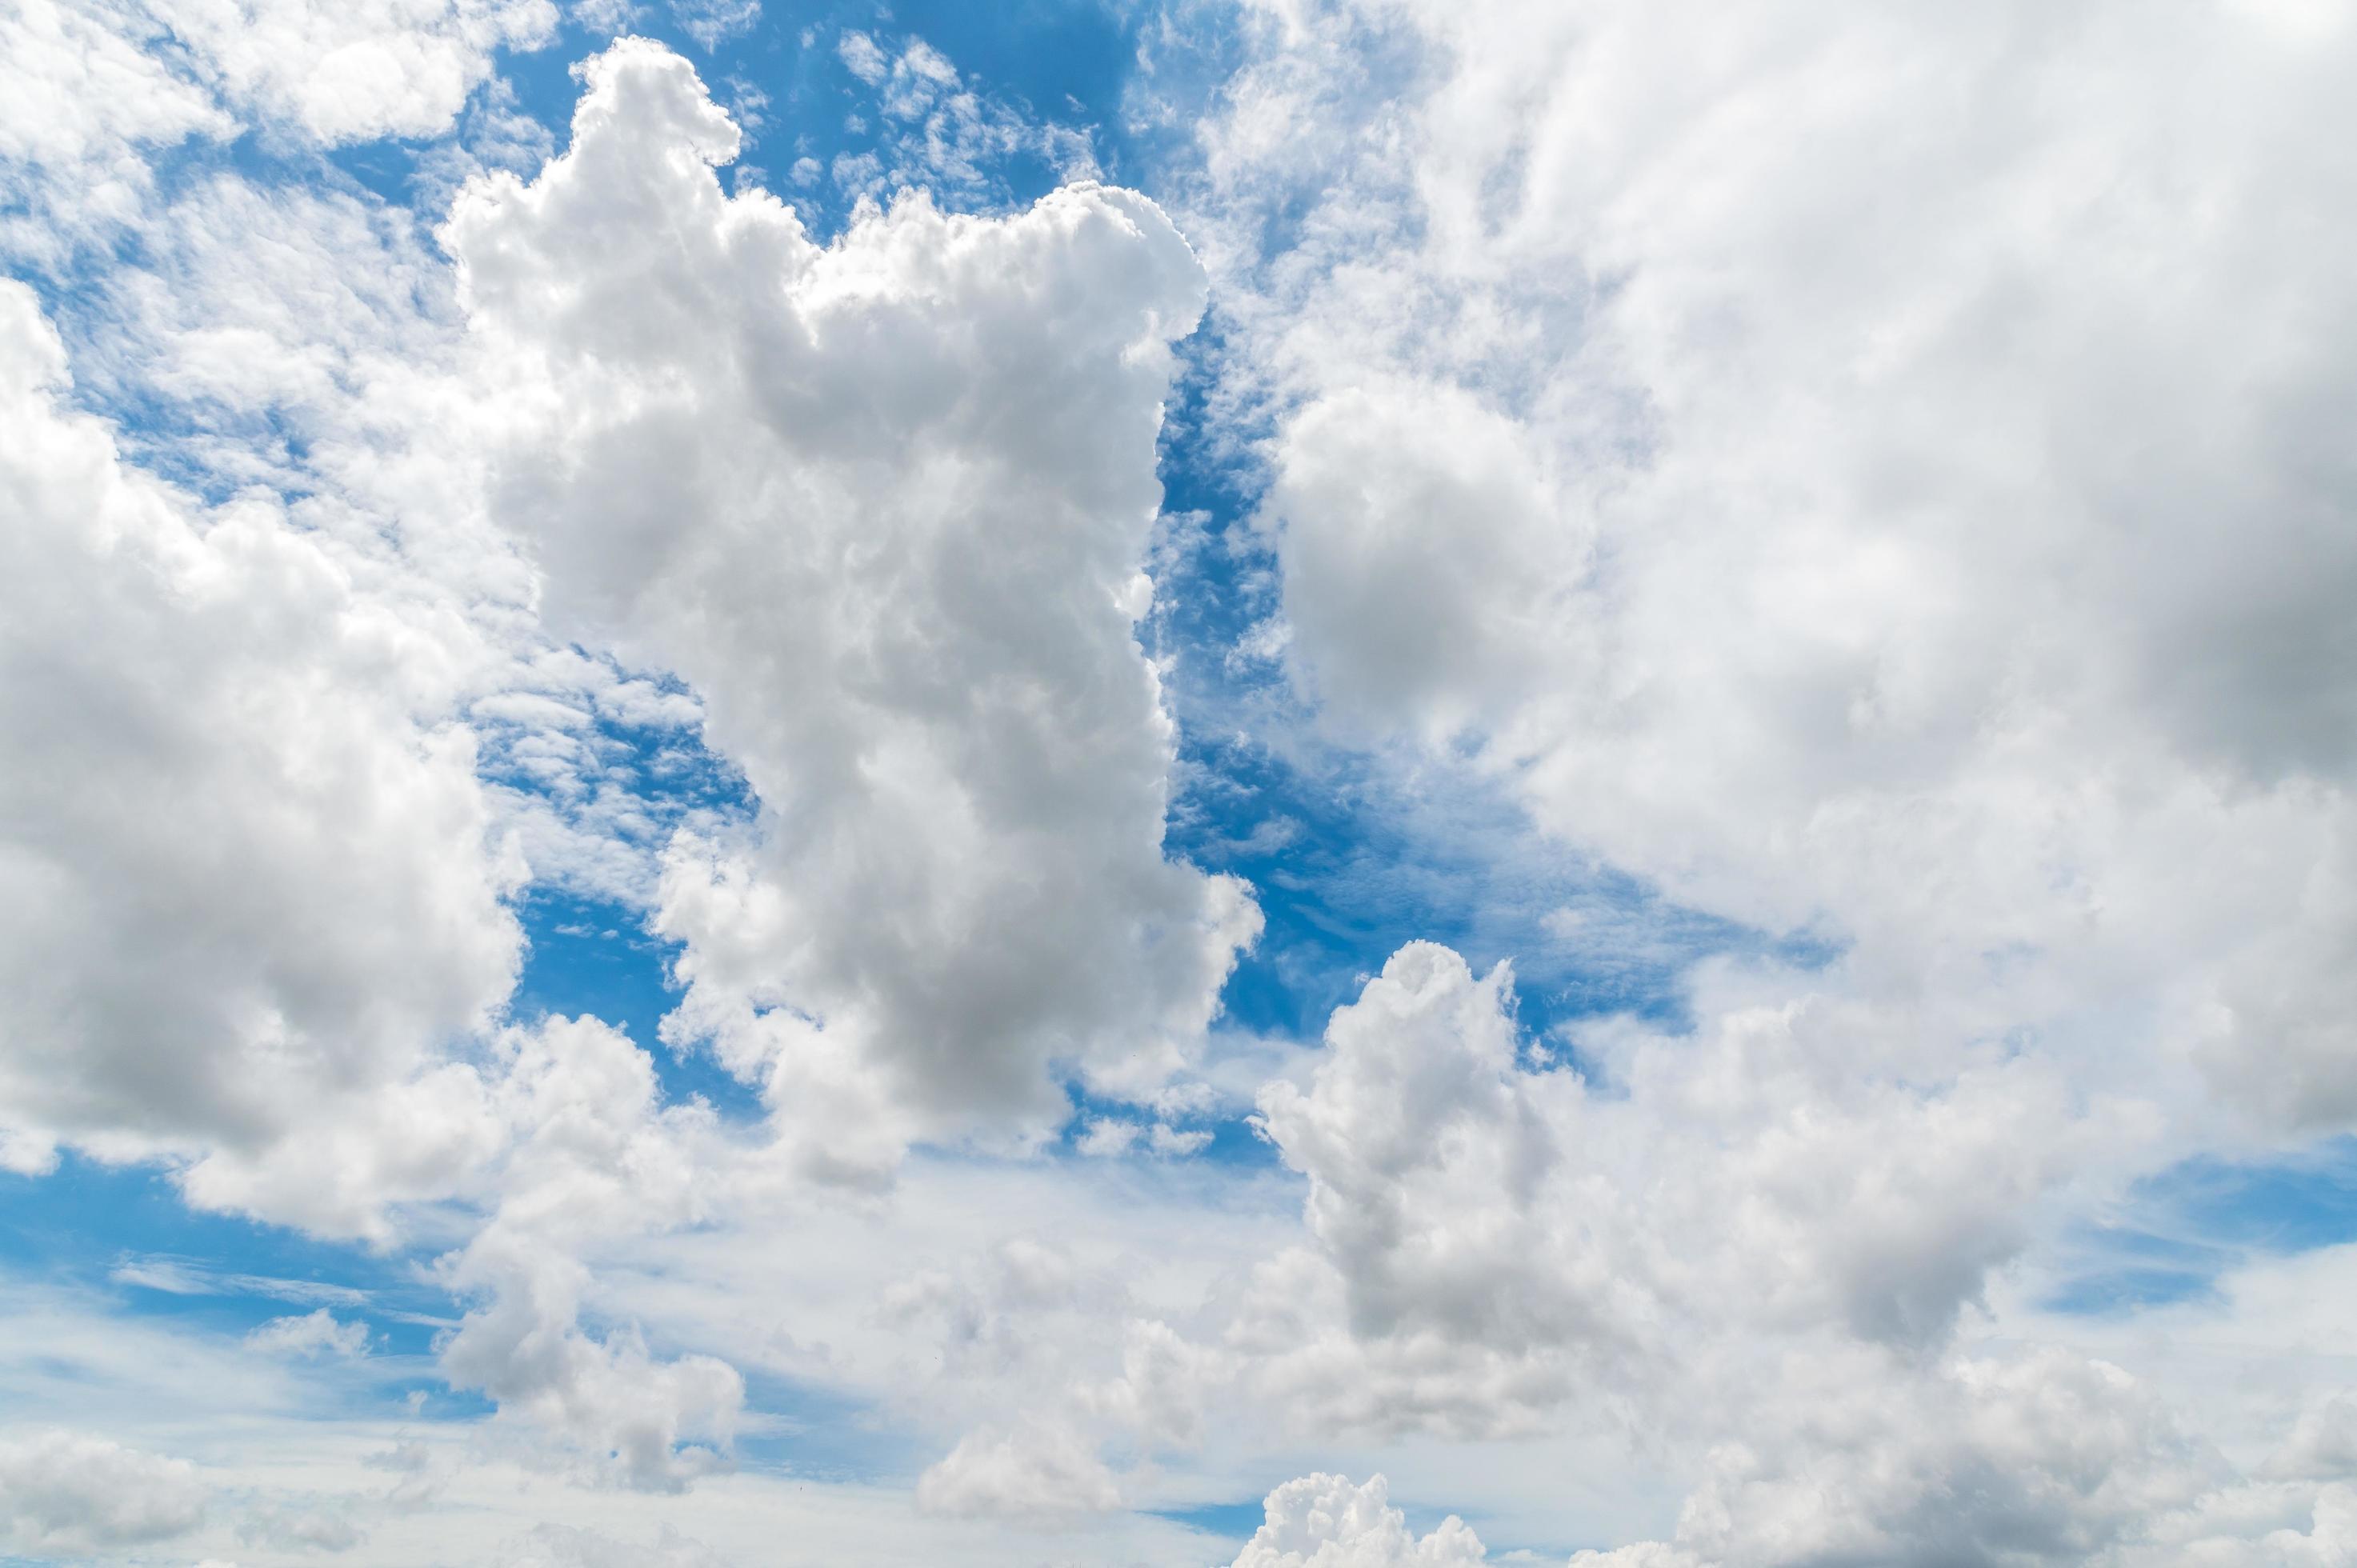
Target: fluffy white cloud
<point x="356" y="70"/>
<point x="1032" y="353"/>
<point x="2047" y="1459"/>
<point x="1879" y="473"/>
<point x="1867" y="477"/>
<point x="230" y="811"/>
<point x="85" y="97"/>
<point x="64" y="1492"/>
<point x="1325" y="1522"/>
<point x="1913" y="519"/>
<point x="1497" y="1216"/>
<point x="1746" y="1258"/>
<point x="592" y="1159"/>
<point x="883" y="504"/>
<point x="97" y="89"/>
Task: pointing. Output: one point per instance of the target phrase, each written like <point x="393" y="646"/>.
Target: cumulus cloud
<point x="2048" y="1459"/>
<point x="65" y="1492"/>
<point x="1867" y="482"/>
<point x="1325" y="1522"/>
<point x="1839" y="511"/>
<point x="230" y="809"/>
<point x="1879" y="477"/>
<point x="593" y="1158"/>
<point x="1484" y="1208"/>
<point x="1011" y="912"/>
<point x="1756" y="1266"/>
<point x="883" y="505"/>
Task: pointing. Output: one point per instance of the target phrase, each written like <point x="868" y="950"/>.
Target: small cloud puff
<point x="313" y="1335"/>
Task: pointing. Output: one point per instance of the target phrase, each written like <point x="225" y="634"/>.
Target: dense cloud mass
<point x="1879" y="479"/>
<point x="940" y="789"/>
<point x="229" y="814"/>
<point x="885" y="505"/>
<point x="68" y="1493"/>
<point x="1843" y="475"/>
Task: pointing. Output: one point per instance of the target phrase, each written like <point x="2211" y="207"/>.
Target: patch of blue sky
<point x="1234" y="1522"/>
<point x="2178" y="1231"/>
<point x="803" y="1430"/>
<point x="589" y="949"/>
<point x="1222" y="1138"/>
<point x="592" y="955"/>
<point x="121" y="1234"/>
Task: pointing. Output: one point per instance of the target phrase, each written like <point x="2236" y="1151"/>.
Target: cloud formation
<point x="883" y="504"/>
<point x="1869" y="487"/>
<point x="63" y="1492"/>
<point x="1325" y="1522"/>
<point x="230" y="809"/>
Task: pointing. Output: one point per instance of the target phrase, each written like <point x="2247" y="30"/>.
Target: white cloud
<point x="357" y="70"/>
<point x="1513" y="1219"/>
<point x="1108" y="1135"/>
<point x="1325" y="1522"/>
<point x="97" y="87"/>
<point x="594" y="1160"/>
<point x="862" y="57"/>
<point x="307" y="1526"/>
<point x="85" y="98"/>
<point x="65" y="1492"/>
<point x="231" y="811"/>
<point x="2042" y="1460"/>
<point x="1038" y="1470"/>
<point x="1839" y="511"/>
<point x="888" y="524"/>
<point x="1172" y="1142"/>
<point x="1797" y="472"/>
<point x="320" y="1333"/>
<point x="556" y="1546"/>
<point x="179" y="1276"/>
<point x="711" y="22"/>
<point x="935" y="131"/>
<point x="1868" y="478"/>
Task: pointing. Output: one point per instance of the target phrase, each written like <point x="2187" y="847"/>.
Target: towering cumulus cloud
<point x="883" y="504"/>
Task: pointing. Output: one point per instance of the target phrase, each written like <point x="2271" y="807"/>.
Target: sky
<point x="1196" y="783"/>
